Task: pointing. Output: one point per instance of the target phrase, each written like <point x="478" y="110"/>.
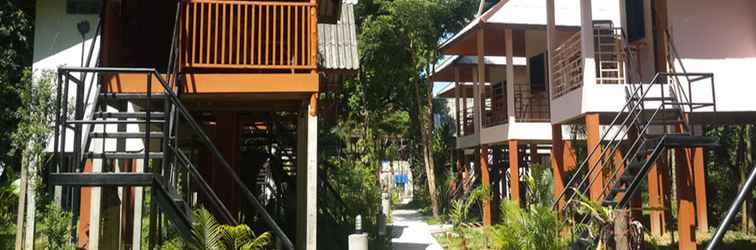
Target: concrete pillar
<point x="138" y="198"/>
<point x="486" y="182"/>
<point x="700" y="185"/>
<point x="509" y="53"/>
<point x="95" y="205"/>
<point x="480" y="80"/>
<point x="593" y="136"/>
<point x="307" y="133"/>
<point x="514" y="171"/>
<point x="557" y="160"/>
<point x="457" y="87"/>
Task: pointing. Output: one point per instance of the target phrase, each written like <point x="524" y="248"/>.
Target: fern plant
<point x="210" y="235"/>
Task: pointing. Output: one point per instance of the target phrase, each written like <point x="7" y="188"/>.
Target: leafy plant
<point x="209" y="235"/>
<point x="56" y="226"/>
<point x="534" y="227"/>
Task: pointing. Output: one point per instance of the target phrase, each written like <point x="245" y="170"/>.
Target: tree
<point x="405" y="35"/>
<point x="30" y="139"/>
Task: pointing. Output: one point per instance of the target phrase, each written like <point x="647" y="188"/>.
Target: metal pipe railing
<point x="733" y="210"/>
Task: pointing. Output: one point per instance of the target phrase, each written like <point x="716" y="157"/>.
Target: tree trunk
<point x="31" y="202"/>
<point x="425" y="133"/>
<point x="21" y="209"/>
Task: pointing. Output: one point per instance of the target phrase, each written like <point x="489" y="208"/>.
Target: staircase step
<point x="683" y="140"/>
<point x="130" y="96"/>
<point x="627" y="178"/>
<point x="652" y="99"/>
<point x="112" y="121"/>
<point x="100" y="179"/>
<point x="140" y="115"/>
<point x="121" y="155"/>
<point x="137" y="135"/>
<point x="616" y="190"/>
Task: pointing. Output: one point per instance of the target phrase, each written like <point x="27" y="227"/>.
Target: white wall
<point x="57" y="41"/>
<point x="718" y="37"/>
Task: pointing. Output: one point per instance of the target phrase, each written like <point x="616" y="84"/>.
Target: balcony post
<point x="550" y="45"/>
<point x="586" y="45"/>
<point x="456" y="101"/>
<point x="481" y="80"/>
<point x="508" y="50"/>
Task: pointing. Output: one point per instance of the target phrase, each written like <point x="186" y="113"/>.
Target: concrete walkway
<point x="410" y="232"/>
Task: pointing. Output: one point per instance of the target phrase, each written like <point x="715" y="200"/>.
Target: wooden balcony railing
<point x="263" y="35"/>
<point x="531" y="105"/>
<point x="568" y="66"/>
<point x="609" y="57"/>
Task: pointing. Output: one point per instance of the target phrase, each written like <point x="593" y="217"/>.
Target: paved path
<point x="410" y="232"/>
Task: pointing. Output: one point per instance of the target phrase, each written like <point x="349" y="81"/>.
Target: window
<point x="636" y="23"/>
<point x="83" y="7"/>
<point x="538" y="72"/>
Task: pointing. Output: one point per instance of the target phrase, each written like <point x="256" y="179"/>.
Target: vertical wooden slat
<point x="305" y="27"/>
<point x="191" y="59"/>
<point x="281" y="36"/>
<point x="223" y="33"/>
<point x="184" y="53"/>
<point x="244" y="35"/>
<point x="296" y="35"/>
<point x="203" y="59"/>
<point x="267" y="33"/>
<point x="238" y="32"/>
<point x="259" y="33"/>
<point x="288" y="36"/>
<point x="313" y="37"/>
<point x="252" y="36"/>
<point x="275" y="36"/>
<point x="215" y="31"/>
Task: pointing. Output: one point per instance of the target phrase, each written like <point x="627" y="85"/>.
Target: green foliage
<point x="536" y="226"/>
<point x="16" y="31"/>
<point x="56" y="226"/>
<point x="241" y="237"/>
<point x="209" y="235"/>
<point x="206" y="231"/>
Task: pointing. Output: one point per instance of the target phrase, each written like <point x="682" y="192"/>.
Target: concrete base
<point x="358" y="241"/>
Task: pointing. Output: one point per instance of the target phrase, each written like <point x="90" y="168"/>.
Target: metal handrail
<point x="184" y="112"/>
<point x="603" y="137"/>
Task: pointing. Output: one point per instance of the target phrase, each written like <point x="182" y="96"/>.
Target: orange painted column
<point x="570" y="160"/>
<point x="485" y="180"/>
<point x="557" y="160"/>
<point x="514" y="172"/>
<point x="656" y="192"/>
<point x="592" y="140"/>
<point x="686" y="210"/>
<point x="85" y="201"/>
<point x="700" y="185"/>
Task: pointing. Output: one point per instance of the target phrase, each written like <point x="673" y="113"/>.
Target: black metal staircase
<point x="103" y="127"/>
<point x="654" y="118"/>
<point x="170" y="173"/>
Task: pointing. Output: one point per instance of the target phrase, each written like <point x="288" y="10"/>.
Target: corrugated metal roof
<point x="337" y="43"/>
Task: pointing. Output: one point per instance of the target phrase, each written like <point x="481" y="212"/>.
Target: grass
<point x="474" y="238"/>
<point x="733" y="240"/>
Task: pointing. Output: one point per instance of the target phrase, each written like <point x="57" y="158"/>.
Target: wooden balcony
<point x="609" y="57"/>
<point x="249" y="36"/>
